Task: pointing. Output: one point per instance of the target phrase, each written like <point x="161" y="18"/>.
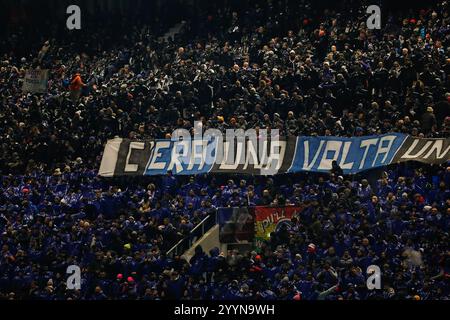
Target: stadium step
<point x="208" y="241"/>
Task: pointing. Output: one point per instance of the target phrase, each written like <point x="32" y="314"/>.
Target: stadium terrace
<point x="100" y="198"/>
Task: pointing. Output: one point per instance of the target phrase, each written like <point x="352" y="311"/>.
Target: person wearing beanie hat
<point x="311" y="248"/>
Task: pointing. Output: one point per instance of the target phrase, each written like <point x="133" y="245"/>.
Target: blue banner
<point x="352" y="154"/>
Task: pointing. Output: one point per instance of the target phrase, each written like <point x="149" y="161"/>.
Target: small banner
<point x="271" y="219"/>
<point x="35" y="81"/>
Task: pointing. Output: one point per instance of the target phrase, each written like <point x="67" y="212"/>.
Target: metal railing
<point x="196" y="233"/>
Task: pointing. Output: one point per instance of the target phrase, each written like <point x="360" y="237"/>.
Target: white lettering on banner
<point x="430" y="146"/>
<point x="263" y="152"/>
<point x="366" y="144"/>
<point x="308" y="166"/>
<point x="198" y="157"/>
<point x="384" y="150"/>
<point x="239" y="148"/>
<point x="252" y="156"/>
<point x="137" y="146"/>
<point x="340" y="150"/>
<point x="277" y="149"/>
<point x="409" y="155"/>
<point x="438" y="144"/>
<point x="176" y="158"/>
<point x="252" y="152"/>
<point x="345" y="149"/>
<point x="230" y="162"/>
<point x="158" y="165"/>
<point x="325" y="163"/>
<point x="180" y="138"/>
<point x="233" y="143"/>
<point x="214" y="154"/>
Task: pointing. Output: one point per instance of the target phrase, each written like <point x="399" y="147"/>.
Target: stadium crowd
<point x="260" y="64"/>
<point x="119" y="237"/>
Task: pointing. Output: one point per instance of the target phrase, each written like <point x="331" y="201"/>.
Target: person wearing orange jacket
<point x="75" y="87"/>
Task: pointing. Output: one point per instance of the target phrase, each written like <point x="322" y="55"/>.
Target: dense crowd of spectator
<point x="335" y="77"/>
<point x="119" y="237"/>
<point x="259" y="64"/>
